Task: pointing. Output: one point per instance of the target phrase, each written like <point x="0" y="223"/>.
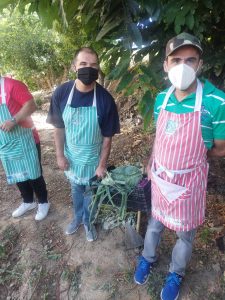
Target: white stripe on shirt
<point x="217" y="97"/>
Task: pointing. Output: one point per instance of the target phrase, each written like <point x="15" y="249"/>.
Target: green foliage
<point x="39" y="56"/>
<point x="74" y="279"/>
<point x="2" y="251"/>
<point x="128" y="175"/>
<point x="109" y="203"/>
<point x="205" y="235"/>
<point x="131" y="35"/>
<point x="155" y="285"/>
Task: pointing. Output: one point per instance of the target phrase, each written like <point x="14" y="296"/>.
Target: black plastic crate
<point x="138" y="200"/>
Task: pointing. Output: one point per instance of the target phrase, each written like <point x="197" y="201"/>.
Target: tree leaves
<point x="146" y="107"/>
<point x="135" y="34"/>
<point x="208" y="4"/>
<point x="108" y="26"/>
<point x="32" y="53"/>
<point x="5" y="3"/>
<point x="190" y="21"/>
<point x="125" y="81"/>
<point x="121" y="67"/>
<point x="179" y="21"/>
<point x="131" y="35"/>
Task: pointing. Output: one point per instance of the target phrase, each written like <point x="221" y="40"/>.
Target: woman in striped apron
<point x="178" y="167"/>
<point x="18" y="152"/>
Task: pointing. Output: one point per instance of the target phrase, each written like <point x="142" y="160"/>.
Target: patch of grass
<point x="9" y="270"/>
<point x="46" y="296"/>
<point x="119" y="279"/>
<point x="74" y="279"/>
<point x="111" y="287"/>
<point x="35" y="274"/>
<point x="125" y="276"/>
<point x="8" y="275"/>
<point x="2" y="251"/>
<point x="8" y="240"/>
<point x="155" y="285"/>
<point x="53" y="256"/>
<point x="98" y="271"/>
<point x="10" y="233"/>
<point x="39" y="102"/>
<point x="220" y="292"/>
<point x="205" y="235"/>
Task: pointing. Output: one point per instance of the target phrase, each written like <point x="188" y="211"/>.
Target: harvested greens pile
<point x="109" y="202"/>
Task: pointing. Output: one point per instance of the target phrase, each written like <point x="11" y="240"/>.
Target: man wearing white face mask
<point x="190" y="125"/>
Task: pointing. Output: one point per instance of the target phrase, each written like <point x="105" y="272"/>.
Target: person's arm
<point x="26" y="110"/>
<point x="218" y="149"/>
<point x="59" y="137"/>
<point x="106" y="147"/>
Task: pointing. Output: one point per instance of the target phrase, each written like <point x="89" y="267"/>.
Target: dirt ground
<point x="38" y="261"/>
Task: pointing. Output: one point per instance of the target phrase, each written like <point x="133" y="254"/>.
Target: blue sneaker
<point x="171" y="288"/>
<point x="142" y="271"/>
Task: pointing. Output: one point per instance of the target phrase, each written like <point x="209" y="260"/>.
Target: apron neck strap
<point x="198" y="100"/>
<point x="71" y="94"/>
<point x="169" y="92"/>
<point x="94" y="99"/>
<point x="69" y="101"/>
<point x="3" y="91"/>
<point x="198" y="97"/>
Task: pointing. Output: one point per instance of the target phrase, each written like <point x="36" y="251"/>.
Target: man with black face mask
<point x="85" y="118"/>
<point x="190" y="126"/>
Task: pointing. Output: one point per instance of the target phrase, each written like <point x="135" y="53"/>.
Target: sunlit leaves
<point x="5" y="3"/>
<point x="136" y="37"/>
<point x="108" y="26"/>
<point x="124" y="82"/>
<point x="32" y="53"/>
<point x="125" y="32"/>
<point x="121" y="66"/>
<point x="146" y="106"/>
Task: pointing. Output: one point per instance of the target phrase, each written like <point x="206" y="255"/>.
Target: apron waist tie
<point x="172" y="173"/>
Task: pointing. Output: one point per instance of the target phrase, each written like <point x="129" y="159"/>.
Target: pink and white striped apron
<point x="180" y="169"/>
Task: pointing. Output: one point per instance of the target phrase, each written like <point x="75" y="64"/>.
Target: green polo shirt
<point x="212" y="111"/>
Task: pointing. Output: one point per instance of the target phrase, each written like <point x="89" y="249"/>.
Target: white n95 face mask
<point x="182" y="76"/>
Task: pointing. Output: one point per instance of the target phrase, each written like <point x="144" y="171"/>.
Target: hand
<point x="7" y="125"/>
<point x="100" y="171"/>
<point x="63" y="163"/>
<point x="148" y="169"/>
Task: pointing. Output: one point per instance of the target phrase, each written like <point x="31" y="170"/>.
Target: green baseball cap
<point x="182" y="39"/>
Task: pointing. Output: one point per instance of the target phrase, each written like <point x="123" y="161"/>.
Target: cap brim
<point x="183" y="45"/>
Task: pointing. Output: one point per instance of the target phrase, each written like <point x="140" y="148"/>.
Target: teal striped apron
<point x="18" y="152"/>
<point x="83" y="140"/>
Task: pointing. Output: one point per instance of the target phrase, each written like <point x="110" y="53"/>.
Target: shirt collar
<point x="208" y="88"/>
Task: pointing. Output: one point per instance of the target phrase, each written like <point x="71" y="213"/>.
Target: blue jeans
<point x="182" y="250"/>
<point x="81" y="196"/>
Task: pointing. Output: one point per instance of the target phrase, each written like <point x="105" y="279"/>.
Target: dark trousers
<point x="37" y="186"/>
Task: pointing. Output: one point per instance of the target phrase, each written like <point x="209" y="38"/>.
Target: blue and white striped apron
<point x="18" y="151"/>
<point x="83" y="141"/>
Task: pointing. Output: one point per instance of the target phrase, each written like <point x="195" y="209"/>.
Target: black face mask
<point x="87" y="75"/>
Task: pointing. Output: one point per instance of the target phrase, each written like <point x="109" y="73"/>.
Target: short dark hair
<point x="87" y="50"/>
